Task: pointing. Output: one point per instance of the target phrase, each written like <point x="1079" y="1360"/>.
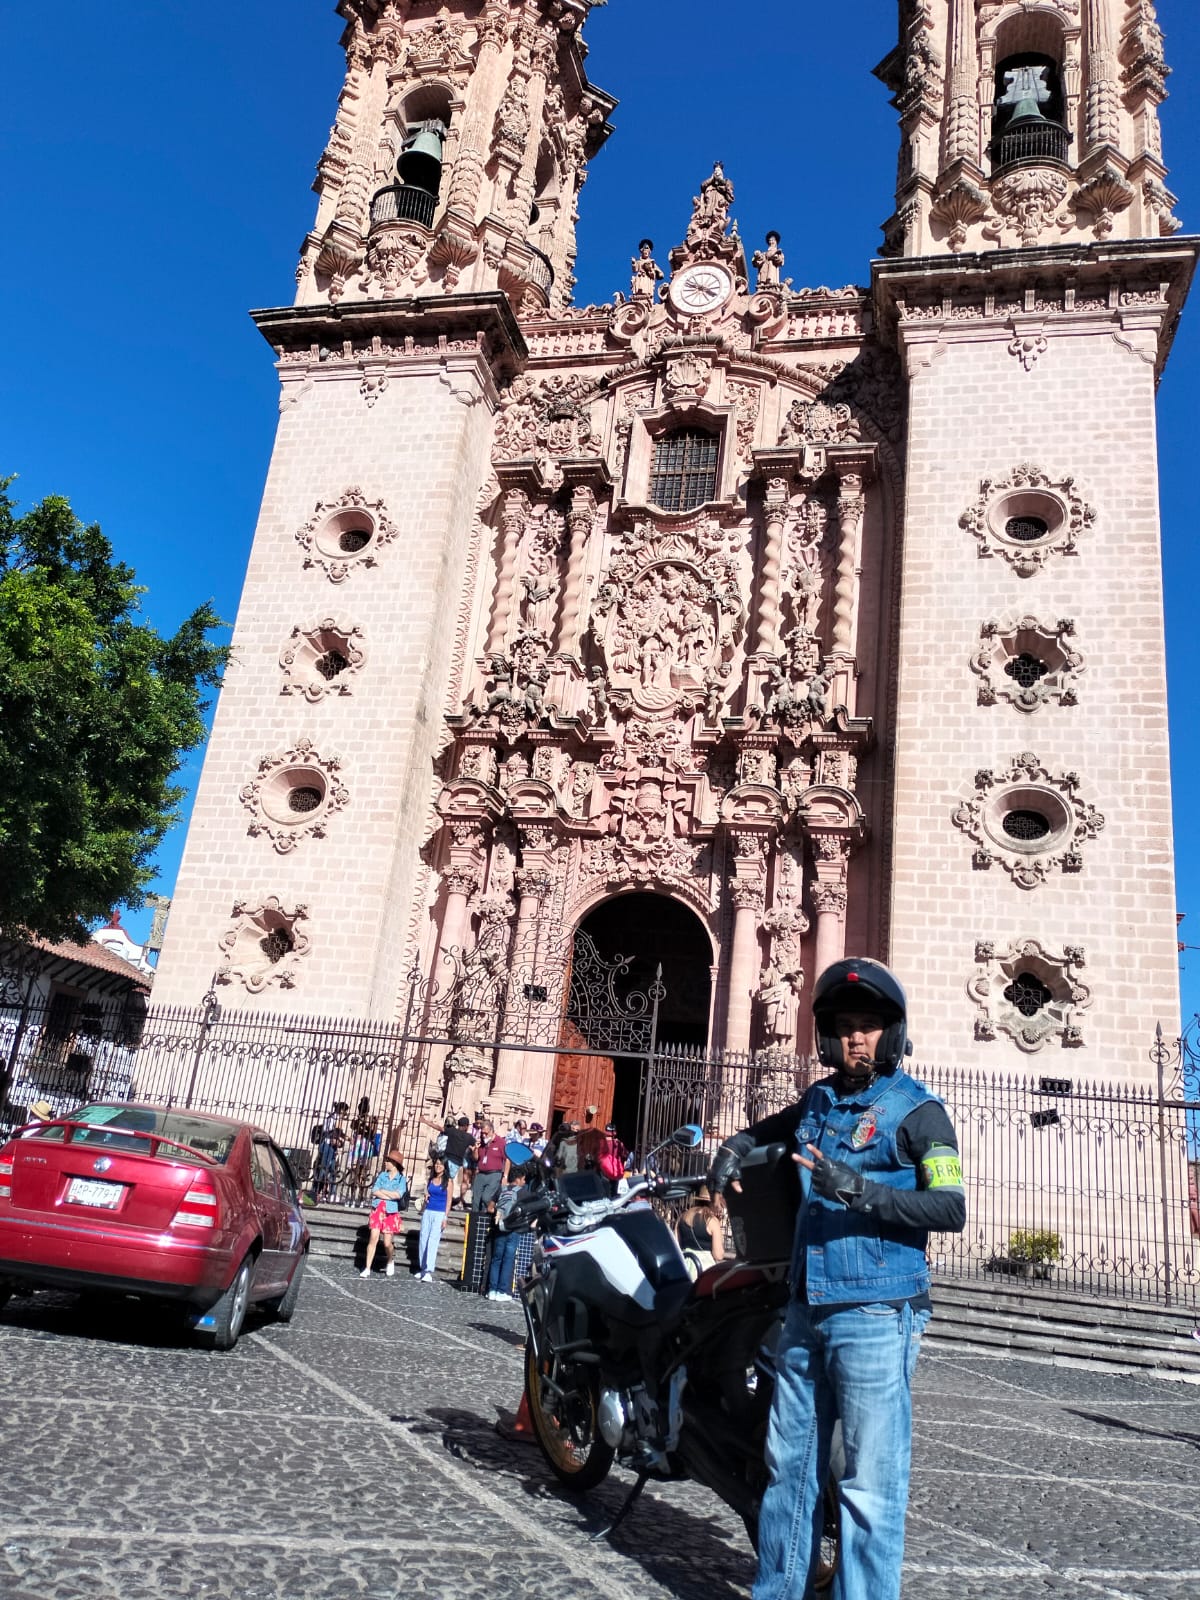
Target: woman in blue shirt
<point x="388" y="1190"/>
<point x="432" y="1218"/>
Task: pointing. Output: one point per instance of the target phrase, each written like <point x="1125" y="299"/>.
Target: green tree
<point x="96" y="711"/>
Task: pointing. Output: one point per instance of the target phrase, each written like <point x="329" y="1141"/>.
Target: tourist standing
<point x="388" y="1191"/>
<point x="433" y="1218"/>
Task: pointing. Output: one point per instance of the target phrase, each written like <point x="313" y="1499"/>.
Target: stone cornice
<point x="420" y="324"/>
<point x="939" y="300"/>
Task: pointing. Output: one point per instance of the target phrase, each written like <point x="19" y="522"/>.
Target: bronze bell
<point x="420" y="164"/>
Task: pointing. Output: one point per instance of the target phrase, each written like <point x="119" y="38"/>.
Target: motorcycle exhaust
<point x="611" y="1417"/>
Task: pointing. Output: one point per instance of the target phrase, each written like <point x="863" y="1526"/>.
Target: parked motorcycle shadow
<point x="682" y="1550"/>
<point x="511" y="1336"/>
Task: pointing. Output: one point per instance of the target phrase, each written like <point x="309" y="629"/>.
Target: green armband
<point x="942" y="1169"/>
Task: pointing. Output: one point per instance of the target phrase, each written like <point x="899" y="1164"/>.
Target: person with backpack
<point x="504" y="1241"/>
<point x="613" y="1155"/>
<point x="390" y="1194"/>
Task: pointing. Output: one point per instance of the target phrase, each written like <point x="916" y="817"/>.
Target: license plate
<point x="91" y="1192"/>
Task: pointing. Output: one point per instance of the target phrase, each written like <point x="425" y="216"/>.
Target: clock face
<point x="701" y="288"/>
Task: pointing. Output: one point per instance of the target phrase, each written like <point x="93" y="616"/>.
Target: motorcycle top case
<point x="763" y="1216"/>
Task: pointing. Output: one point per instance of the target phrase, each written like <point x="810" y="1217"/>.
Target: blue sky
<point x="158" y="157"/>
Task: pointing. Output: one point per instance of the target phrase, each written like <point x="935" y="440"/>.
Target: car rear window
<point x="106" y="1122"/>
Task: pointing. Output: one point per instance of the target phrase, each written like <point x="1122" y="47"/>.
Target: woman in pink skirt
<point x="386" y="1221"/>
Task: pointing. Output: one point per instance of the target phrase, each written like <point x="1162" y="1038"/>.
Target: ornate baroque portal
<point x="669" y="691"/>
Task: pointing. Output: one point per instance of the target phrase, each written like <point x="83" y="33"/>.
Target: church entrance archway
<point x="647" y="931"/>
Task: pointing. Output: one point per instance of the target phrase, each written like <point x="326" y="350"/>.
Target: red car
<point x="169" y="1204"/>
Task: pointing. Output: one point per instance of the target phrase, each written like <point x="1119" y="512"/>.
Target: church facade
<point x="731" y="626"/>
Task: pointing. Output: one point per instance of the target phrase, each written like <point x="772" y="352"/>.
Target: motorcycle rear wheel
<point x="564" y="1422"/>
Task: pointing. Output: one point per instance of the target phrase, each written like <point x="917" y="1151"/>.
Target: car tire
<point x="6" y="1295"/>
<point x="229" y="1313"/>
<point x="284" y="1308"/>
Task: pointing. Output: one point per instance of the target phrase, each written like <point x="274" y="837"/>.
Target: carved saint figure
<point x="646" y="272"/>
<point x="710" y="208"/>
<point x="779" y="1006"/>
<point x="768" y="263"/>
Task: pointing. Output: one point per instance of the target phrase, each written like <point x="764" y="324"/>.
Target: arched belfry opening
<point x="618" y="949"/>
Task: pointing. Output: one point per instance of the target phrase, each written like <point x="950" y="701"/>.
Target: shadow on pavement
<point x="1131" y="1427"/>
<point x="661" y="1537"/>
<point x="514" y="1336"/>
<point x="110" y="1319"/>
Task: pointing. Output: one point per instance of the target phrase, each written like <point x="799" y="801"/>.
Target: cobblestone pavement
<point x="354" y="1454"/>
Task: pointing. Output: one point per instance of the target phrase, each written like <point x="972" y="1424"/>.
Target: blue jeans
<point x="431" y="1237"/>
<point x="855" y="1364"/>
<point x="504" y="1260"/>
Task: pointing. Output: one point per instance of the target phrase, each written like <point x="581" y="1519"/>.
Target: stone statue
<point x="768" y="263"/>
<point x="598" y="690"/>
<point x="779" y="1003"/>
<point x="646" y="272"/>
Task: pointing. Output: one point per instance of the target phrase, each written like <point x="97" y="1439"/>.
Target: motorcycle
<point x="628" y="1360"/>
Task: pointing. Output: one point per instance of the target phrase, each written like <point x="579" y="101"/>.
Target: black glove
<point x="834" y="1181"/>
<point x="726" y="1168"/>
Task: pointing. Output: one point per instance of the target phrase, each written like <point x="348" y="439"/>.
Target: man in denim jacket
<point x="879" y="1170"/>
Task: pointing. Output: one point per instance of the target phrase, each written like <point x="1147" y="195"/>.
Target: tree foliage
<point x="96" y="711"/>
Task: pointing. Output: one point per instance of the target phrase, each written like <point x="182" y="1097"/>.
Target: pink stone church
<point x="729" y="626"/>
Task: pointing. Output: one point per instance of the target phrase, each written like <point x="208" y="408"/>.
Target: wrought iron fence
<point x="333" y="1092"/>
<point x="1083" y="1184"/>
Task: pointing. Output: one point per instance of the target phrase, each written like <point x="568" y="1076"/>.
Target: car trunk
<point x="100" y="1181"/>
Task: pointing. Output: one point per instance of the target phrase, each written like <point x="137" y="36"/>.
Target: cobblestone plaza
<point x="354" y="1454"/>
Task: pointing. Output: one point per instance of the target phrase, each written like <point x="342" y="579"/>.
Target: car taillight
<point x="5" y="1172"/>
<point x="198" y="1208"/>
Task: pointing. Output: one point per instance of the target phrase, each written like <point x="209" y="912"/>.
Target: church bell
<point x="420" y="164"/>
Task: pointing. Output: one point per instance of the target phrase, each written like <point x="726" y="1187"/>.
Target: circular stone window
<point x="1027" y="820"/>
<point x="294" y="794"/>
<point x="1027" y="516"/>
<point x="345" y="533"/>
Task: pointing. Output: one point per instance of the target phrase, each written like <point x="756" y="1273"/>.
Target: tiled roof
<point x="94" y="955"/>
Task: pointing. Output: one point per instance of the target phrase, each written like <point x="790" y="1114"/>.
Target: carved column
<point x="1103" y="125"/>
<point x="747" y="889"/>
<point x="579" y="527"/>
<point x="851" y="505"/>
<point x="541" y="47"/>
<point x="461" y="880"/>
<point x="962" y="137"/>
<point x="513" y="519"/>
<point x="492" y="33"/>
<point x="775" y="507"/>
<point x="533" y="884"/>
<point x="832" y="856"/>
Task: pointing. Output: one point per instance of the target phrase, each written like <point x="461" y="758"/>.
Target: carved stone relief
<point x="264" y="944"/>
<point x="322" y="657"/>
<point x="1027" y="663"/>
<point x="668" y="613"/>
<point x="1006" y="515"/>
<point x="1029" y="993"/>
<point x="344" y="534"/>
<point x="293" y="795"/>
<point x="1028" y="820"/>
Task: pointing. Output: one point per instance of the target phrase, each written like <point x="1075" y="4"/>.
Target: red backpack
<point x="612" y="1157"/>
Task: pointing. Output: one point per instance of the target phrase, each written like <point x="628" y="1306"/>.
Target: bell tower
<point x="445" y="223"/>
<point x="461" y="141"/>
<point x="1027" y="122"/>
<point x="1033" y="279"/>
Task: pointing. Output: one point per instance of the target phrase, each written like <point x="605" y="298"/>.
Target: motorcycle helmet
<point x="860" y="984"/>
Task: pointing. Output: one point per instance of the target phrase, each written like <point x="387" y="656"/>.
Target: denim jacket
<point x="853" y="1257"/>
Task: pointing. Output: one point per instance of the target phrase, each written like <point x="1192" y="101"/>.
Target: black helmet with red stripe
<point x="855" y="985"/>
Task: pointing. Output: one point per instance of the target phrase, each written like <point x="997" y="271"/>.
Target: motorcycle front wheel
<point x="562" y="1409"/>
